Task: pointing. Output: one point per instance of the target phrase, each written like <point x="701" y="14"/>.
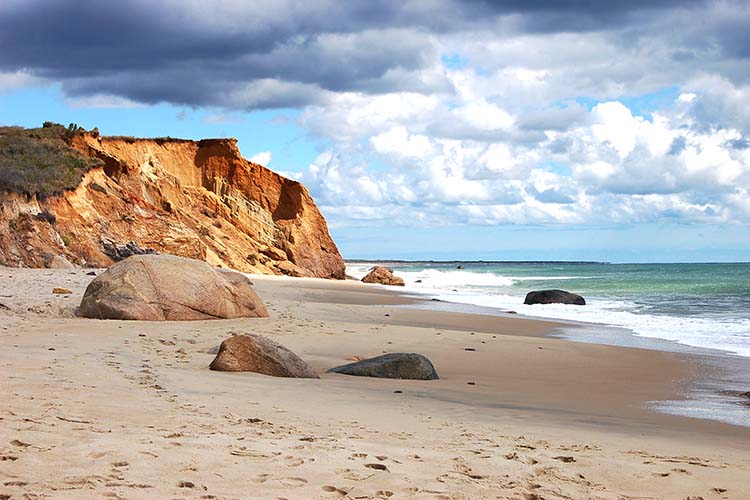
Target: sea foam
<point x="490" y="289"/>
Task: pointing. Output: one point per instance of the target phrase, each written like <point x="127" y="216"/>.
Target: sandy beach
<point x="129" y="410"/>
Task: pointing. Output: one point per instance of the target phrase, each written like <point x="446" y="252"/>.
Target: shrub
<point x="46" y="216"/>
<point x="40" y="161"/>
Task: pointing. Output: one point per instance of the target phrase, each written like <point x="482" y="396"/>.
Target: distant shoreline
<point x="398" y="261"/>
<point x="523" y="262"/>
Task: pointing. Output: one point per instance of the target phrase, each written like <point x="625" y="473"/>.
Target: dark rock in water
<point x="459" y="267"/>
<point x="393" y="365"/>
<point x="554" y="297"/>
<point x="120" y="252"/>
<point x="742" y="395"/>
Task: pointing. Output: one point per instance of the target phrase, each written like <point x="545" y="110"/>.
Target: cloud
<point x="262" y="158"/>
<point x="614" y="167"/>
<point x="102" y="102"/>
<point x="222" y="119"/>
<point x="13" y="80"/>
<point x="266" y="54"/>
<point x="439" y="111"/>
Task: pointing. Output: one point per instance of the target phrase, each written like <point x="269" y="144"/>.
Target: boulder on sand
<point x="401" y="365"/>
<point x="166" y="287"/>
<point x="383" y="276"/>
<point x="255" y="353"/>
<point x="554" y="297"/>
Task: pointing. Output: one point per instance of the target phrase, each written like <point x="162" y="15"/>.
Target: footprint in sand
<point x="293" y="482"/>
<point x="291" y="461"/>
<point x="332" y="489"/>
<point x="377" y="467"/>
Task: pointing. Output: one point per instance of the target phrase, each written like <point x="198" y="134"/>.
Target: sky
<point x="424" y="129"/>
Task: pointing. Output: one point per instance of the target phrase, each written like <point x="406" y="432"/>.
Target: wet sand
<point x="110" y="409"/>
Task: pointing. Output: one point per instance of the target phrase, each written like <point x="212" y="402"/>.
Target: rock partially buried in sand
<point x="165" y="287"/>
<point x="554" y="297"/>
<point x="400" y="365"/>
<point x="255" y="353"/>
<point x="60" y="262"/>
<point x="383" y="276"/>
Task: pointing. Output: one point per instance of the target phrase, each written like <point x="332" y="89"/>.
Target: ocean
<point x="684" y="308"/>
<point x="705" y="306"/>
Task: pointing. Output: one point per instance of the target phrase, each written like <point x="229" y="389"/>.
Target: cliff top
<point x="40" y="161"/>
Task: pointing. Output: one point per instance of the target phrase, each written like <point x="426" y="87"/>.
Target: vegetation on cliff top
<point x="40" y="161"/>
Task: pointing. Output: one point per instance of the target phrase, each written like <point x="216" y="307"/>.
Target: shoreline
<point x="565" y="421"/>
<point x="704" y="389"/>
<point x="626" y="297"/>
<point x="711" y="394"/>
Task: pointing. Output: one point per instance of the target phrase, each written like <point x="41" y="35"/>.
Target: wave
<point x="437" y="278"/>
<point x="492" y="290"/>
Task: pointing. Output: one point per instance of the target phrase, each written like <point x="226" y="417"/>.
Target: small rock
<point x="60" y="262"/>
<point x="376" y="467"/>
<point x="394" y="365"/>
<point x="384" y="276"/>
<point x="61" y="291"/>
<point x="255" y="353"/>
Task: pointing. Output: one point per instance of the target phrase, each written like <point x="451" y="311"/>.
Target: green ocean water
<point x="700" y="305"/>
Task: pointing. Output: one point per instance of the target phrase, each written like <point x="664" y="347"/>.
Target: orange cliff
<point x="196" y="199"/>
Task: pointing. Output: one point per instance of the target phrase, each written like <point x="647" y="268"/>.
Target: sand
<point x="111" y="409"/>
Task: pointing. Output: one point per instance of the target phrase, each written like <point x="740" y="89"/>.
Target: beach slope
<point x="116" y="409"/>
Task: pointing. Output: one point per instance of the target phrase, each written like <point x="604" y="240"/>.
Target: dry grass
<point x="40" y="161"/>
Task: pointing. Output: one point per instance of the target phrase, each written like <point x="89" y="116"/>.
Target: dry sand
<point x="111" y="409"/>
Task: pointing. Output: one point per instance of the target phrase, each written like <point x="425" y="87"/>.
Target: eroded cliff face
<point x="194" y="199"/>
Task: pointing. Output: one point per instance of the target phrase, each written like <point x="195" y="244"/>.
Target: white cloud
<point x="616" y="166"/>
<point x="102" y="101"/>
<point x="223" y="119"/>
<point x="13" y="80"/>
<point x="262" y="158"/>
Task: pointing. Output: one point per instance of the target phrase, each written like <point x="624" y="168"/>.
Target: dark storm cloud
<point x="196" y="53"/>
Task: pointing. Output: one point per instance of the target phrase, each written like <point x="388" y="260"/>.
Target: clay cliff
<point x="197" y="199"/>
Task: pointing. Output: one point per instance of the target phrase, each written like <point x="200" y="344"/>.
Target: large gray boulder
<point x="255" y="353"/>
<point x="166" y="287"/>
<point x="394" y="365"/>
<point x="554" y="297"/>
